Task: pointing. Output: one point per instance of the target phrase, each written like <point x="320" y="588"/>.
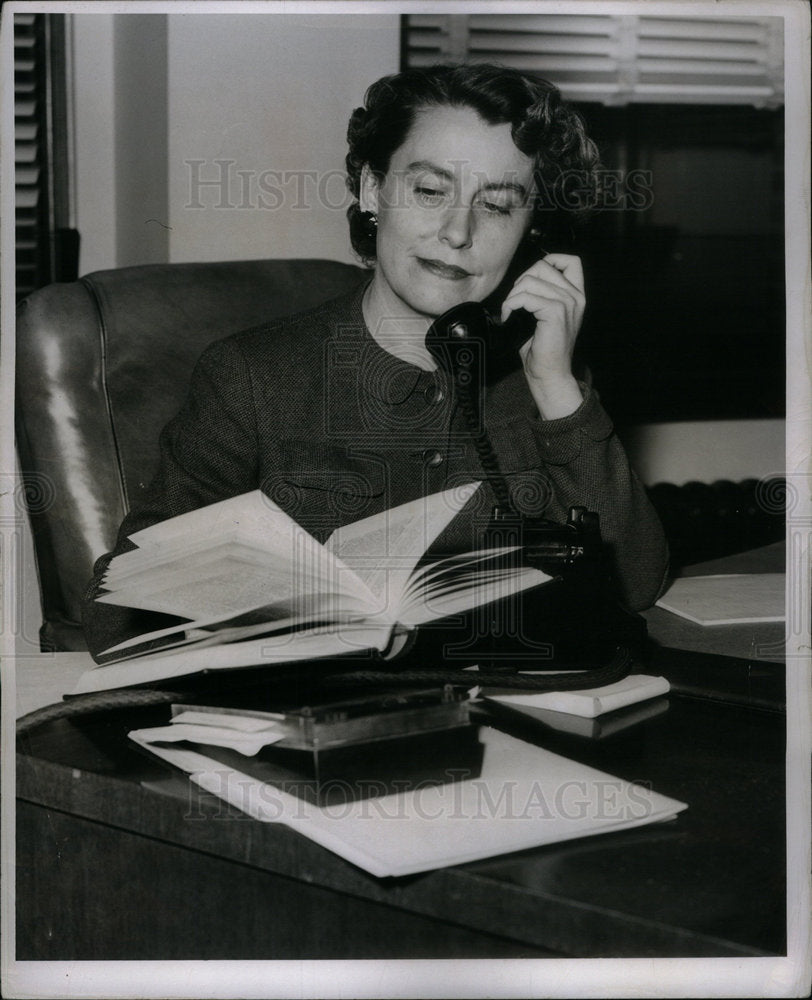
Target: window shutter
<point x="615" y="59"/>
<point x="46" y="248"/>
<point x="727" y="61"/>
<point x="30" y="170"/>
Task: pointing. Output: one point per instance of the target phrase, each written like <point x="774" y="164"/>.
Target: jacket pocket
<point x="325" y="486"/>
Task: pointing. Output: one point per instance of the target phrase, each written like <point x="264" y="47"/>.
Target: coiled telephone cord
<point x="484" y="448"/>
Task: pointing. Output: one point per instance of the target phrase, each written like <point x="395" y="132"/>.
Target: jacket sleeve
<point x="208" y="452"/>
<point x="586" y="465"/>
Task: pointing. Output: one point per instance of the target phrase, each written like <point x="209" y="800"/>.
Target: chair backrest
<point x="102" y="364"/>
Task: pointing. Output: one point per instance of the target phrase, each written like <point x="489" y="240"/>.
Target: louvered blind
<point x="615" y="59"/>
<point x="30" y="173"/>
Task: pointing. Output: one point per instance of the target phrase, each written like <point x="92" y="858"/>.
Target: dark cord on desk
<point x="102" y="701"/>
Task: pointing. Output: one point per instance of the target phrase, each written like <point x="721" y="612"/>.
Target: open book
<point x="257" y="589"/>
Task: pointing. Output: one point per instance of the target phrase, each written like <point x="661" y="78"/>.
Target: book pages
<point x="383" y="550"/>
<point x="265" y="651"/>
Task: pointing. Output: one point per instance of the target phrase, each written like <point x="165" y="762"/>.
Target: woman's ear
<point x="368" y="190"/>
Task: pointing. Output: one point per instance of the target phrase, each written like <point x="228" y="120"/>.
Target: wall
<point x="119" y="65"/>
<point x="94" y="97"/>
<point x="272" y="94"/>
<point x="706" y="450"/>
<point x="141" y="124"/>
<point x="265" y="92"/>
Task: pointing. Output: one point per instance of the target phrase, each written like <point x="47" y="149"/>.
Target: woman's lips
<point x="442" y="270"/>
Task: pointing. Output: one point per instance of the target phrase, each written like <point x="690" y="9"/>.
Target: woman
<point x="458" y="174"/>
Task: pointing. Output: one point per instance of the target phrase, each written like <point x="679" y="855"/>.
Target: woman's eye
<point x="492" y="207"/>
<point x="427" y="195"/>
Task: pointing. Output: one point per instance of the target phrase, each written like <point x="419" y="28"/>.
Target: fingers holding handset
<point x="552" y="291"/>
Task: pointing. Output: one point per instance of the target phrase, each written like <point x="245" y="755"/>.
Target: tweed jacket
<point x="333" y="428"/>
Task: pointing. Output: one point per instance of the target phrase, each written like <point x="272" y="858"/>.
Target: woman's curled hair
<point x="543" y="127"/>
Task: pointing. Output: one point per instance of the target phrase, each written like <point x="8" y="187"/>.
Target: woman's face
<point x="451" y="211"/>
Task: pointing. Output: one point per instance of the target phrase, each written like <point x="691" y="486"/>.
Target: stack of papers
<point x="524" y="797"/>
<point x="231" y="730"/>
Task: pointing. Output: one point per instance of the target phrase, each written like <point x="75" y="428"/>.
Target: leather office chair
<point x="102" y="364"/>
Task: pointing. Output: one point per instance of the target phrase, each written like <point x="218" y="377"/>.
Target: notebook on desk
<point x="727" y="599"/>
<point x="587" y="703"/>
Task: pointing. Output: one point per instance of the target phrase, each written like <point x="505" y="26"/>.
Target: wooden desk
<point x="118" y="859"/>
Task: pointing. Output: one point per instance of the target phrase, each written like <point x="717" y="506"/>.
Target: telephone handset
<point x="471" y="324"/>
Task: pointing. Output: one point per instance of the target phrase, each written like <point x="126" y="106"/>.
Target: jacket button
<point x="434" y="395"/>
<point x="432" y="458"/>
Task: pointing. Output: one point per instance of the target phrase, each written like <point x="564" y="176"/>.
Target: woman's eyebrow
<point x="520" y="189"/>
<point x="429" y="167"/>
<point x="426" y="166"/>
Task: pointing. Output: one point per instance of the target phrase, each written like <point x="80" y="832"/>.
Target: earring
<point x="370" y="223"/>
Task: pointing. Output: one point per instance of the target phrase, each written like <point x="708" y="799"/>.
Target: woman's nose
<point x="457" y="227"/>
